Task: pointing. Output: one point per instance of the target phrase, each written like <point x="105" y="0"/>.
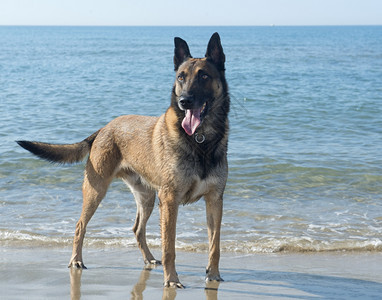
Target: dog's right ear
<point x="181" y="52"/>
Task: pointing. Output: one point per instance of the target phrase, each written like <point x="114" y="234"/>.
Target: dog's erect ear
<point x="181" y="52"/>
<point x="215" y="52"/>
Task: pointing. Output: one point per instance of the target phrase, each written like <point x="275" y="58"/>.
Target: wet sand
<point x="38" y="273"/>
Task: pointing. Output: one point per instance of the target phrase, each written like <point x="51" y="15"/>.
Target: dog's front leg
<point x="214" y="210"/>
<point x="168" y="215"/>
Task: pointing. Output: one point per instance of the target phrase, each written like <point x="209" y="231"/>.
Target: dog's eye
<point x="205" y="77"/>
<point x="180" y="78"/>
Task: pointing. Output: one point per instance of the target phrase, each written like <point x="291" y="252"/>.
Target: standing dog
<point x="182" y="155"/>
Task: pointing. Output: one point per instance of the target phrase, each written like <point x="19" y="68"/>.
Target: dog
<point x="180" y="155"/>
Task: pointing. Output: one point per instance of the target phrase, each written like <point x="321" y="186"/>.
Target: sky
<point x="191" y="12"/>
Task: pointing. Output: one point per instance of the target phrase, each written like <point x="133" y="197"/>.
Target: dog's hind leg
<point x="145" y="199"/>
<point x="94" y="189"/>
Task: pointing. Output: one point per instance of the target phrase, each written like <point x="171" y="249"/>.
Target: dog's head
<point x="199" y="82"/>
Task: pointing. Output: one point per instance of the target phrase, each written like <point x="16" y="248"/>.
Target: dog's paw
<point x="173" y="284"/>
<point x="77" y="265"/>
<point x="153" y="262"/>
<point x="212" y="274"/>
<point x="213" y="277"/>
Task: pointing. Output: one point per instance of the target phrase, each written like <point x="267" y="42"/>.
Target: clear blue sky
<point x="191" y="12"/>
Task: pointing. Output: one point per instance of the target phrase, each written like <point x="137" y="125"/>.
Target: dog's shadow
<point x="254" y="284"/>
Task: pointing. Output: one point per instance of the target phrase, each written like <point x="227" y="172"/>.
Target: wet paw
<point x="77" y="265"/>
<point x="212" y="274"/>
<point x="153" y="262"/>
<point x="213" y="277"/>
<point x="172" y="284"/>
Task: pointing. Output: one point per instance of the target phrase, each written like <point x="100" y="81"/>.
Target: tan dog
<point x="182" y="155"/>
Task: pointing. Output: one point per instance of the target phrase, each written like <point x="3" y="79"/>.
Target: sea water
<point x="305" y="148"/>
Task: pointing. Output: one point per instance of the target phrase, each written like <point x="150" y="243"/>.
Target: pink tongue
<point x="191" y="121"/>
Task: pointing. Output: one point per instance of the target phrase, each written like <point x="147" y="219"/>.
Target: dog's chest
<point x="198" y="188"/>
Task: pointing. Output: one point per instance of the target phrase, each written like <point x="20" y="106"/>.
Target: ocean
<point x="305" y="148"/>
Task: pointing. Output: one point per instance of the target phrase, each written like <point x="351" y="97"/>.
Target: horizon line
<point x="116" y="25"/>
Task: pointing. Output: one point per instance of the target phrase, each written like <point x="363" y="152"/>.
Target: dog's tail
<point x="60" y="153"/>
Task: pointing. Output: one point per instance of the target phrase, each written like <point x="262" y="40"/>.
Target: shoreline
<point x="119" y="273"/>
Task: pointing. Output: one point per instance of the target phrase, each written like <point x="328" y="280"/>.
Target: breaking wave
<point x="270" y="245"/>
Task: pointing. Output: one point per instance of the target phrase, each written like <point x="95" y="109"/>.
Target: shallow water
<point x="305" y="142"/>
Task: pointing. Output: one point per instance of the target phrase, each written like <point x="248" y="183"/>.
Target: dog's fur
<point x="182" y="155"/>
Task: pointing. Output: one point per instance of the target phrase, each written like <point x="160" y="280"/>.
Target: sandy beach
<point x="40" y="273"/>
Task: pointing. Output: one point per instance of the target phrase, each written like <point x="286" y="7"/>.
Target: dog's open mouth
<point x="193" y="119"/>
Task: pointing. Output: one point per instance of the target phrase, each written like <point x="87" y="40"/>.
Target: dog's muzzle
<point x="193" y="118"/>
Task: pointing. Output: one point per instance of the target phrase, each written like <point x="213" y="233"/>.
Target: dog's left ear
<point x="215" y="52"/>
<point x="181" y="52"/>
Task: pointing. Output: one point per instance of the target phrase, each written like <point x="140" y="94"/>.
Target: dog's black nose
<point x="186" y="101"/>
